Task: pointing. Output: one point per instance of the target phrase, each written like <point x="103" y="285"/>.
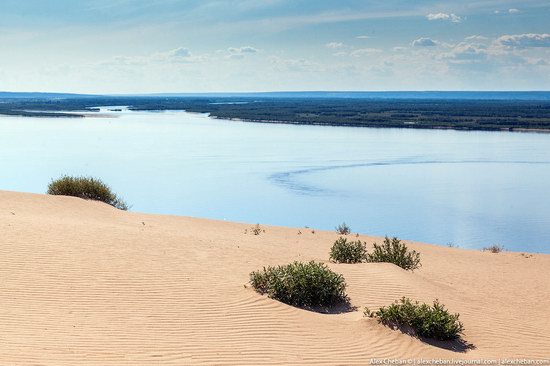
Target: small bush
<point x="301" y="284"/>
<point x="86" y="188"/>
<point x="426" y="321"/>
<point x="396" y="252"/>
<point x="344" y="251"/>
<point x="343" y="229"/>
<point x="257" y="230"/>
<point x="496" y="248"/>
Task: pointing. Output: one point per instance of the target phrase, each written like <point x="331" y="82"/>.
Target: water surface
<point x="472" y="189"/>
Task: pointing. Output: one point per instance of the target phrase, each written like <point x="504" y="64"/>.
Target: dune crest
<point x="84" y="283"/>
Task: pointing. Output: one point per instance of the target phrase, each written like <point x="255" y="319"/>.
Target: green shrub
<point x="343" y="229"/>
<point x="301" y="284"/>
<point x="426" y="321"/>
<point x="257" y="230"/>
<point x="396" y="252"/>
<point x="495" y="248"/>
<point x="86" y="188"/>
<point x="344" y="251"/>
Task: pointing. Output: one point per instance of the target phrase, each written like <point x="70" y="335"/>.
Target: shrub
<point x="426" y="321"/>
<point x="86" y="188"/>
<point x="495" y="248"/>
<point x="301" y="284"/>
<point x="396" y="252"/>
<point x="257" y="230"/>
<point x="344" y="251"/>
<point x="343" y="229"/>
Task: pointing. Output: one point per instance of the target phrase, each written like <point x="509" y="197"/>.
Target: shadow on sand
<point x="341" y="308"/>
<point x="456" y="345"/>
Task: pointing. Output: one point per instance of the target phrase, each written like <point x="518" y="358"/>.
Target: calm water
<point x="471" y="189"/>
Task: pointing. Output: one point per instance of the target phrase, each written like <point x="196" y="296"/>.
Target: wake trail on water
<point x="288" y="179"/>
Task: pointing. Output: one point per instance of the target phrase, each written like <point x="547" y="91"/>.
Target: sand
<point x="83" y="283"/>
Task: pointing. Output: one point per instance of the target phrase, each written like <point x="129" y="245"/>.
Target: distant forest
<point x="460" y="114"/>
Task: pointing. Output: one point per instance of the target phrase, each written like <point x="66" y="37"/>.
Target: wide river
<point x="469" y="189"/>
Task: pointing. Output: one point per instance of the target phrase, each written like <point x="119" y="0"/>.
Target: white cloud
<point x="444" y="16"/>
<point x="437" y="16"/>
<point x="341" y="54"/>
<point x="363" y="37"/>
<point x="466" y="52"/>
<point x="180" y="52"/>
<point x="241" y="50"/>
<point x="334" y="45"/>
<point x="513" y="11"/>
<point x="177" y="55"/>
<point x="238" y="53"/>
<point x="424" y="42"/>
<point x="455" y="18"/>
<point x="525" y="40"/>
<point x="476" y="38"/>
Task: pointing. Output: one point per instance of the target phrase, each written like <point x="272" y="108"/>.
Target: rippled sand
<point x="83" y="283"/>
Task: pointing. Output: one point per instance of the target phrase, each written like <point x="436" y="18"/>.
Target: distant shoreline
<point x="269" y="121"/>
<point x="440" y="114"/>
<point x="328" y="124"/>
<point x="524" y="95"/>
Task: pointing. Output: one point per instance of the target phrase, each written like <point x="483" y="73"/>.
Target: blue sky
<point x="138" y="46"/>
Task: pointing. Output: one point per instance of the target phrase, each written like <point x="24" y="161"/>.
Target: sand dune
<point x="83" y="283"/>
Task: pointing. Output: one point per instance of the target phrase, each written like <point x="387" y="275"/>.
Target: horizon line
<point x="275" y="92"/>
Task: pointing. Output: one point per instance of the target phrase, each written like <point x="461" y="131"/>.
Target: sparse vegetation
<point x="257" y="230"/>
<point x="301" y="284"/>
<point x="426" y="321"/>
<point x="344" y="251"/>
<point x="396" y="252"/>
<point x="343" y="229"/>
<point x="495" y="248"/>
<point x="87" y="188"/>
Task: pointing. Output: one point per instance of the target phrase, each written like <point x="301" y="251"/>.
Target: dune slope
<point x="83" y="283"/>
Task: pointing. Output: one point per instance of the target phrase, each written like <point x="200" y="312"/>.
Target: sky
<point x="170" y="46"/>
